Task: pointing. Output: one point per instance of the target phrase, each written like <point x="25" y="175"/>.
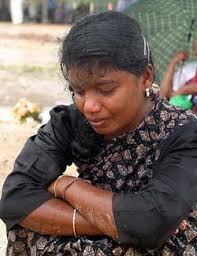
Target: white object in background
<point x="5" y="114"/>
<point x="16" y="9"/>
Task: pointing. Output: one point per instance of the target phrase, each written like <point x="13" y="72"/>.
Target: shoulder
<point x="190" y="66"/>
<point x="68" y="120"/>
<point x="187" y="69"/>
<point x="182" y="138"/>
<point x="61" y="128"/>
<point x="66" y="116"/>
<point x="169" y="119"/>
<point x="168" y="112"/>
<point x="64" y="112"/>
<point x="183" y="74"/>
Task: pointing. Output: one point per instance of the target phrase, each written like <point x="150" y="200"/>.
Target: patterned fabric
<point x="124" y="163"/>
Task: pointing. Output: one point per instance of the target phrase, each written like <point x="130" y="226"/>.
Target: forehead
<point x="87" y="74"/>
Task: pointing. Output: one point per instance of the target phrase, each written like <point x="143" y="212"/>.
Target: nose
<point x="91" y="105"/>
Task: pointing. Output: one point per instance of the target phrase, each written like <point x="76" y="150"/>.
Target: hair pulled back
<point x="106" y="38"/>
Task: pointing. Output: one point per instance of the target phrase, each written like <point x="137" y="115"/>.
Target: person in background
<point x="60" y="11"/>
<point x="16" y="10"/>
<point x="122" y="5"/>
<point x="4" y="10"/>
<point x="135" y="155"/>
<point x="37" y="10"/>
<point x="51" y="10"/>
<point x="182" y="81"/>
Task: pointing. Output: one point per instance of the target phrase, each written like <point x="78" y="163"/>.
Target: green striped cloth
<point x="166" y="23"/>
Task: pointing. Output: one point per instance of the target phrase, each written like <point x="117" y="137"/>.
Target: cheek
<point x="79" y="102"/>
<point x="127" y="105"/>
<point x="123" y="101"/>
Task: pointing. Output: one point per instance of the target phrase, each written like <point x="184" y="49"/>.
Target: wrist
<point x="174" y="62"/>
<point x="63" y="182"/>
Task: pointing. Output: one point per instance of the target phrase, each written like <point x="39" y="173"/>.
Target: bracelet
<point x="55" y="185"/>
<point x="65" y="189"/>
<point x="74" y="223"/>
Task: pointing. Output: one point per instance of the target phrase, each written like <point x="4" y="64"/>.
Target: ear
<point x="148" y="77"/>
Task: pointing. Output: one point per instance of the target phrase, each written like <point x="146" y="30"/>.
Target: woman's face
<point x="113" y="102"/>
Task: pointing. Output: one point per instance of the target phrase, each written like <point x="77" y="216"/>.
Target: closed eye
<point x="106" y="91"/>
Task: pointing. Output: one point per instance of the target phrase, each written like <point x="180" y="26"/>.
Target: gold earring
<point x="147" y="92"/>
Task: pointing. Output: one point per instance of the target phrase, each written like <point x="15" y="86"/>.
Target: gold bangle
<point x="66" y="188"/>
<point x="74" y="223"/>
<point x="73" y="181"/>
<point x="55" y="185"/>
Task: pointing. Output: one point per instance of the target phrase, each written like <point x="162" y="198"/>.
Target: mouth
<point x="97" y="123"/>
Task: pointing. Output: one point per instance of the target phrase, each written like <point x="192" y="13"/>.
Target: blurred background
<point x="30" y="38"/>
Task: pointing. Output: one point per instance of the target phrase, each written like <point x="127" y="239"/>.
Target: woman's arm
<point x="147" y="218"/>
<point x="44" y="157"/>
<point x="91" y="202"/>
<point x="55" y="217"/>
<point x="167" y="81"/>
<point x="187" y="89"/>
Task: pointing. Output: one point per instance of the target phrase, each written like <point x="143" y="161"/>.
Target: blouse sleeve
<point x="43" y="158"/>
<point x="149" y="217"/>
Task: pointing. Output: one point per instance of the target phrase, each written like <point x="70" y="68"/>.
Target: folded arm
<point x="55" y="217"/>
<point x="147" y="218"/>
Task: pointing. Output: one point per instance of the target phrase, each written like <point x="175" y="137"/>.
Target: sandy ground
<point x="23" y="48"/>
<point x="12" y="137"/>
<point x="29" y="64"/>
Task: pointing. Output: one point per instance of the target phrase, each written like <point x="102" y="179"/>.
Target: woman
<point x="138" y="152"/>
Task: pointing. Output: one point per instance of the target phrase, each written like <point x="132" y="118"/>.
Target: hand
<point x="180" y="56"/>
<point x="182" y="227"/>
<point x="51" y="188"/>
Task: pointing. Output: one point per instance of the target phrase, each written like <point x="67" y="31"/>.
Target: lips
<point x="97" y="123"/>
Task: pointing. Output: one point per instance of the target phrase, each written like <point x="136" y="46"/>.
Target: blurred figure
<point x="183" y="81"/>
<point x="16" y="10"/>
<point x="110" y="6"/>
<point x="61" y="11"/>
<point x="4" y="10"/>
<point x="122" y="5"/>
<point x="51" y="10"/>
<point x="82" y="9"/>
<point x="32" y="10"/>
<point x="44" y="10"/>
<point x="38" y="10"/>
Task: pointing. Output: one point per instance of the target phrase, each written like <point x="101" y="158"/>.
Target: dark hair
<point x="106" y="38"/>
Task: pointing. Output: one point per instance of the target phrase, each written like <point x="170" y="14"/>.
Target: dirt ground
<point x="29" y="64"/>
<point x="28" y="68"/>
<point x="12" y="137"/>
